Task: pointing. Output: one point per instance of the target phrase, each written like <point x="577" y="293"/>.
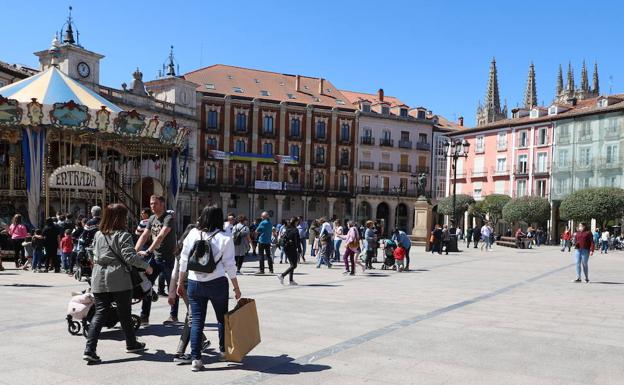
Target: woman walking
<point x="370" y="238"/>
<point x="338" y="232"/>
<point x="313" y="235"/>
<point x="204" y="287"/>
<point x="113" y="254"/>
<point x="51" y="239"/>
<point x="352" y="248"/>
<point x="18" y="233"/>
<point x="584" y="245"/>
<point x="242" y="240"/>
<point x="291" y="246"/>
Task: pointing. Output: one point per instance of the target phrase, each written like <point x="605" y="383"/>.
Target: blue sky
<point x="435" y="53"/>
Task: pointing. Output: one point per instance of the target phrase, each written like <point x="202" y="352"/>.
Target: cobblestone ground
<point x="501" y="317"/>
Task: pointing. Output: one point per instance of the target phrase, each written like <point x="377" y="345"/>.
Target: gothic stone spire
<point x="570" y="85"/>
<point x="584" y="79"/>
<point x="595" y="85"/>
<point x="560" y="81"/>
<point x="491" y="110"/>
<point x="530" y="94"/>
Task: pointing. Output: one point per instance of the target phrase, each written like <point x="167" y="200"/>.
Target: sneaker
<point x="137" y="347"/>
<point x="576" y="280"/>
<point x="293" y="283"/>
<point x="91" y="358"/>
<point x="281" y="279"/>
<point x="197" y="365"/>
<point x="586" y="280"/>
<point x="182" y="359"/>
<point x="271" y="271"/>
<point x="144" y="321"/>
<point x="154" y="296"/>
<point x="162" y="293"/>
<point x="170" y="320"/>
<point x="351" y="273"/>
<point x="345" y="273"/>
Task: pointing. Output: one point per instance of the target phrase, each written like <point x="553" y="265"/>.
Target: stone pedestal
<point x="423" y="222"/>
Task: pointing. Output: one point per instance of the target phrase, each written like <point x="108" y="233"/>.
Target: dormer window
<point x="385" y="110"/>
<point x="420" y="114"/>
<point x="238" y="90"/>
<point x="291" y="96"/>
<point x="552" y="110"/>
<point x="534" y="113"/>
<point x="210" y="86"/>
<point x="603" y="102"/>
<point x="264" y="93"/>
<point x="340" y="101"/>
<point x="403" y="112"/>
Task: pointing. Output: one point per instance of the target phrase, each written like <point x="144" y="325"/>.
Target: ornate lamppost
<point x="455" y="149"/>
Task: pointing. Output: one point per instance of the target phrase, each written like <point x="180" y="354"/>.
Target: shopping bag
<point x="242" y="330"/>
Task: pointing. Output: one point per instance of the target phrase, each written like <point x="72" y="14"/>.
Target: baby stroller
<point x="83" y="263"/>
<point x="389" y="247"/>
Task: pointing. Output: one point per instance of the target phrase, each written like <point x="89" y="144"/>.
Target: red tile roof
<point x="355" y="97"/>
<point x="267" y="85"/>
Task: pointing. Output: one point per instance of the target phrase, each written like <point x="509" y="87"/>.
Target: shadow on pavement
<point x="283" y="364"/>
<point x="608" y="283"/>
<point x="321" y="285"/>
<point x="25" y="285"/>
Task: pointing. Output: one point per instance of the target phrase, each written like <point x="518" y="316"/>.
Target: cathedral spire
<point x="595" y="85"/>
<point x="584" y="78"/>
<point x="530" y="94"/>
<point x="491" y="110"/>
<point x="570" y="85"/>
<point x="560" y="80"/>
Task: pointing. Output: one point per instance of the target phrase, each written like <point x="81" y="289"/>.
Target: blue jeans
<point x="199" y="293"/>
<point x="604" y="246"/>
<point x="66" y="258"/>
<point x="159" y="266"/>
<point x="337" y="244"/>
<point x="582" y="258"/>
<point x="38" y="259"/>
<point x="303" y="246"/>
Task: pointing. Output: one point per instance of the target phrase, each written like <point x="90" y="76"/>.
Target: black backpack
<point x="237" y="236"/>
<point x="202" y="258"/>
<point x="287" y="241"/>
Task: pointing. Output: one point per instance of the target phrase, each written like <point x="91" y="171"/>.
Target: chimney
<point x="460" y="121"/>
<point x="380" y="95"/>
<point x="298" y="83"/>
<point x="321" y="84"/>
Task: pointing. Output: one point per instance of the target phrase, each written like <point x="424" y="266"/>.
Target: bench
<point x="511" y="242"/>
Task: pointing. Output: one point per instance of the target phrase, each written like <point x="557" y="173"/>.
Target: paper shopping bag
<point x="242" y="330"/>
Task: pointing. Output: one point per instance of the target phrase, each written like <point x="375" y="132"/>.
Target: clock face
<point x="83" y="69"/>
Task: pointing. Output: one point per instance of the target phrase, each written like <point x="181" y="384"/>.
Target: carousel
<point x="71" y="148"/>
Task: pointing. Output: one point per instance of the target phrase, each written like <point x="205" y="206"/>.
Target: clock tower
<point x="70" y="57"/>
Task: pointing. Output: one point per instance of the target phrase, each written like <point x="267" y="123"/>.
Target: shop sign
<point x="76" y="177"/>
<point x="268" y="185"/>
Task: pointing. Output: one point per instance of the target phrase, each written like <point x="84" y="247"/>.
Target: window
<point x="523" y="139"/>
<point x="240" y="146"/>
<point x="476" y="192"/>
<point x="585" y="158"/>
<point x="211" y="174"/>
<point x="291" y="96"/>
<point x="611" y="181"/>
<point x="501" y="165"/>
<point x="479" y="144"/>
<point x="585" y="132"/>
<point x="257" y="81"/>
<point x="239" y="175"/>
<point x="499" y="187"/>
<point x="403" y="112"/>
<point x="368" y="133"/>
<point x="422" y="138"/>
<point x="420" y="114"/>
<point x="267" y="173"/>
<point x="210" y="86"/>
<point x="295" y="127"/>
<point x="238" y="90"/>
<point x="344" y="157"/>
<point x="584" y="182"/>
<point x="523" y="163"/>
<point x="211" y="143"/>
<point x="542" y="162"/>
<point x="212" y="119"/>
<point x="319" y="180"/>
<point x="501" y="141"/>
<point x="320" y="130"/>
<point x="344" y="132"/>
<point x="366" y="107"/>
<point x="542" y="137"/>
<point x="563" y="158"/>
<point x="366" y="181"/>
<point x="267" y="148"/>
<point x="344" y="182"/>
<point x="294" y="150"/>
<point x="540" y="188"/>
<point x="479" y="167"/>
<point x="405" y="135"/>
<point x="403" y="184"/>
<point x="268" y="124"/>
<point x="340" y="101"/>
<point x="241" y="122"/>
<point x="521" y="188"/>
<point x="385" y="110"/>
<point x="611" y="153"/>
<point x="387" y="135"/>
<point x="264" y="93"/>
<point x="320" y="155"/>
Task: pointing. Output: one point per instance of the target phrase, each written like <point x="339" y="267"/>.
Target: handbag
<point x="135" y="275"/>
<point x="202" y="258"/>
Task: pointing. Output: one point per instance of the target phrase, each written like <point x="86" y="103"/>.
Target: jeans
<point x="160" y="266"/>
<point x="199" y="293"/>
<point x="604" y="246"/>
<point x="488" y="243"/>
<point x="324" y="254"/>
<point x="37" y="259"/>
<point x="293" y="258"/>
<point x="102" y="305"/>
<point x="303" y="248"/>
<point x="239" y="262"/>
<point x="369" y="258"/>
<point x="264" y="250"/>
<point x="337" y="244"/>
<point x="582" y="258"/>
<point x="349" y="256"/>
<point x="66" y="259"/>
<point x="19" y="251"/>
<point x="407" y="259"/>
<point x="566" y="243"/>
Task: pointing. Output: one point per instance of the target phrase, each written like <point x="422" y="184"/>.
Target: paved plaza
<point x="502" y="317"/>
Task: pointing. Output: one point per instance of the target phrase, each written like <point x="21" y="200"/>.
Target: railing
<point x="501" y="146"/>
<point x="241" y="131"/>
<point x="405" y="168"/>
<point x="521" y="171"/>
<point x="478" y="173"/>
<point x="117" y="193"/>
<point x="423" y="146"/>
<point x="19" y="179"/>
<point x="267" y="133"/>
<point x="365" y="165"/>
<point x="345" y="140"/>
<point x="563" y="139"/>
<point x="344" y="163"/>
<point x="479" y="150"/>
<point x="499" y="172"/>
<point x="320" y="138"/>
<point x="294" y="136"/>
<point x="562" y="167"/>
<point x="610" y="163"/>
<point x="385" y="166"/>
<point x="4" y="178"/>
<point x="460" y="174"/>
<point x="319" y="161"/>
<point x="389" y="191"/>
<point x="367" y="140"/>
<point x="213" y="128"/>
<point x="422" y="169"/>
<point x="541" y="170"/>
<point x="405" y="144"/>
<point x="386" y="142"/>
<point x="585" y="165"/>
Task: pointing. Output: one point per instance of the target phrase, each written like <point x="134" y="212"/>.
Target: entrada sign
<point x="76" y="177"/>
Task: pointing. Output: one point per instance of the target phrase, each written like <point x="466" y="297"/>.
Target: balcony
<point x="365" y="165"/>
<point x="388" y="191"/>
<point x="344" y="163"/>
<point x="320" y="138"/>
<point x="267" y="133"/>
<point x="319" y="161"/>
<point x="422" y="169"/>
<point x="584" y="165"/>
<point x="562" y="167"/>
<point x="344" y="140"/>
<point x="385" y="166"/>
<point x="212" y="128"/>
<point x="501" y="146"/>
<point x="384" y="142"/>
<point x="367" y="140"/>
<point x="541" y="171"/>
<point x="241" y="131"/>
<point x="610" y="163"/>
<point x="405" y="144"/>
<point x="521" y="172"/>
<point x="500" y="171"/>
<point x="479" y="150"/>
<point x="478" y="173"/>
<point x="563" y="139"/>
<point x="423" y="146"/>
<point x="294" y="135"/>
<point x="405" y="168"/>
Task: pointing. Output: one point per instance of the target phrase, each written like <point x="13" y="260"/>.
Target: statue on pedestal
<point x="422" y="185"/>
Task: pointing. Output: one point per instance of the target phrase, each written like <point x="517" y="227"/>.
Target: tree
<point x="478" y="210"/>
<point x="530" y="210"/>
<point x="493" y="204"/>
<point x="600" y="203"/>
<point x="463" y="202"/>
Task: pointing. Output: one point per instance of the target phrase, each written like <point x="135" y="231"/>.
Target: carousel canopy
<point x="53" y="86"/>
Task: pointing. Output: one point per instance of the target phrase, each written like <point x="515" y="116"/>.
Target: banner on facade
<point x="76" y="177"/>
<point x="250" y="157"/>
<point x="268" y="185"/>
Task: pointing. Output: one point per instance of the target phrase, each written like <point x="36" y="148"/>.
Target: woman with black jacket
<point x="291" y="245"/>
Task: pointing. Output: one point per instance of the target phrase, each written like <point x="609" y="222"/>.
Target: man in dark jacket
<point x="476" y="235"/>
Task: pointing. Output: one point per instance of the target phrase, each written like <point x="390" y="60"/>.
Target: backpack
<point x="287" y="240"/>
<point x="201" y="258"/>
<point x="238" y="235"/>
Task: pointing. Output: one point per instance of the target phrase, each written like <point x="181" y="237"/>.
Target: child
<point x="274" y="244"/>
<point x="37" y="245"/>
<point x="67" y="247"/>
<point x="399" y="256"/>
<point x="28" y="252"/>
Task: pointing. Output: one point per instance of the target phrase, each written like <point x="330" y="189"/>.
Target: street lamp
<point x="455" y="149"/>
